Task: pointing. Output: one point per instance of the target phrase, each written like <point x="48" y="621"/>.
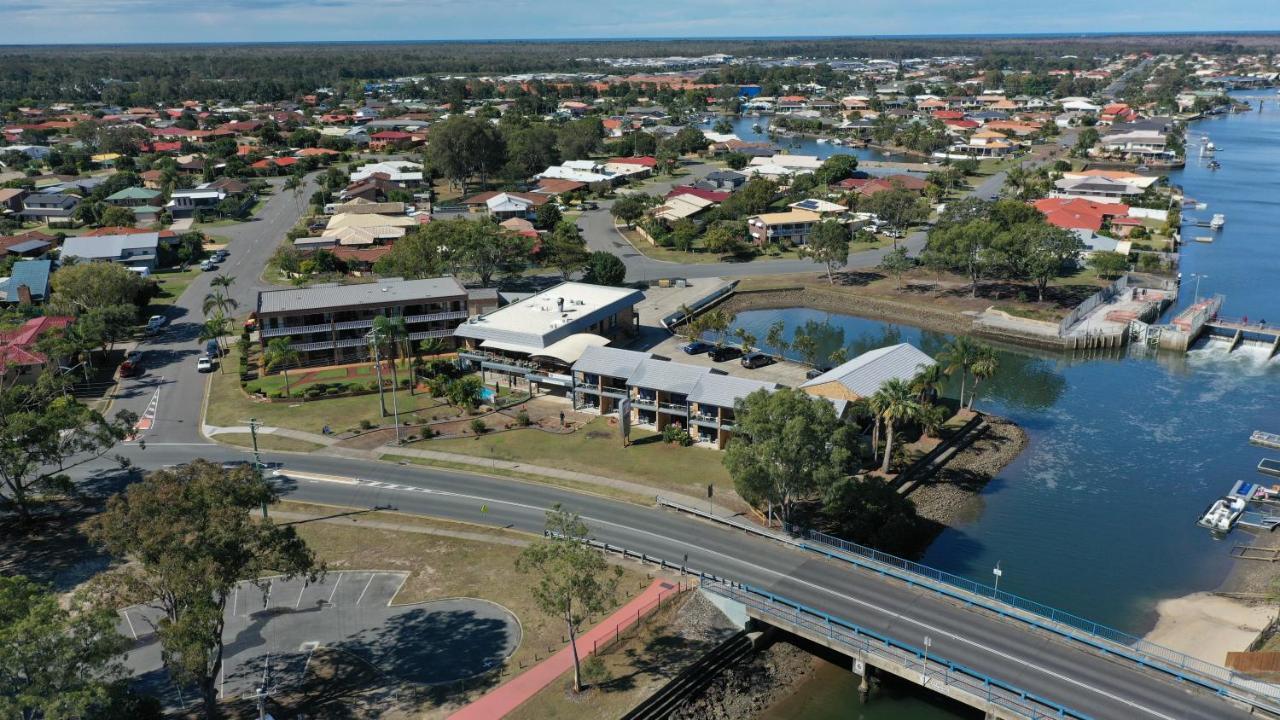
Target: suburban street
<point x="170" y="378"/>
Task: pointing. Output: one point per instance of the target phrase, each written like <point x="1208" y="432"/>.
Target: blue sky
<point x="113" y="21"/>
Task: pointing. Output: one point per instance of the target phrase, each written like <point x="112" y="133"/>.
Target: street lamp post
<point x="257" y="457"/>
<point x="924" y="675"/>
<point x="997" y="572"/>
<point x="1198" y="277"/>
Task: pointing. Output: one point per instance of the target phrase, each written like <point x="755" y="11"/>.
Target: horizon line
<point x="665" y="38"/>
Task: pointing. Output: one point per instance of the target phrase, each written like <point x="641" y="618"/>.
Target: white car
<point x="156" y="322"/>
<point x="204" y="364"/>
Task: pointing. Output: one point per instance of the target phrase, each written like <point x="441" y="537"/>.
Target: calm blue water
<point x="1097" y="514"/>
<point x="744" y="128"/>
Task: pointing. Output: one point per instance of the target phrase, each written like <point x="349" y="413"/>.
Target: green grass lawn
<point x="172" y="284"/>
<point x="596" y="449"/>
<point x="267" y="442"/>
<point x="301" y="378"/>
<point x="229" y="406"/>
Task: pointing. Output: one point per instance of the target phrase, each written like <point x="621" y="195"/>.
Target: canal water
<point x="1097" y="515"/>
<point x="745" y="128"/>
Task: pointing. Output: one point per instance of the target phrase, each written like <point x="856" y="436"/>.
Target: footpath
<point x="508" y="696"/>
<point x="576" y="479"/>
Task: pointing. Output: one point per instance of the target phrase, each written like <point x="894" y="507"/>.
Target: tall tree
<point x="787" y="446"/>
<point x="829" y="245"/>
<point x="565" y="250"/>
<point x="959" y="356"/>
<point x="896" y="262"/>
<point x="485" y="249"/>
<point x="83" y="286"/>
<point x="55" y="661"/>
<point x="985" y="365"/>
<point x="604" y="268"/>
<point x="571" y="577"/>
<point x="464" y="147"/>
<point x="190" y="533"/>
<point x="43" y="434"/>
<point x="869" y="511"/>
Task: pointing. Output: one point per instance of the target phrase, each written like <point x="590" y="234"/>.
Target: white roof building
<point x="538" y="321"/>
<point x="396" y="170"/>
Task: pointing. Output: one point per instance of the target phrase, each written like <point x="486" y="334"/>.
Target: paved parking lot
<point x="276" y="633"/>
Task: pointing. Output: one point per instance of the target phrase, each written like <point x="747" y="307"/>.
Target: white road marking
<point x="335" y="589"/>
<point x="301" y="590"/>
<point x="235" y="601"/>
<point x="890" y="613"/>
<point x="365" y="590"/>
<point x="126" y="619"/>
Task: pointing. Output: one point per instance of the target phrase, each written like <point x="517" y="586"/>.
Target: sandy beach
<point x="1208" y="626"/>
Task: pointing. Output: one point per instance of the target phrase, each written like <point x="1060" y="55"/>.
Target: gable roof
<point x="610" y="362"/>
<point x="32" y="273"/>
<point x="653" y="374"/>
<point x="17" y="347"/>
<point x="724" y="390"/>
<point x="865" y="374"/>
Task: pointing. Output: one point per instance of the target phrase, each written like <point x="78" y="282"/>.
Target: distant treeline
<point x="148" y="74"/>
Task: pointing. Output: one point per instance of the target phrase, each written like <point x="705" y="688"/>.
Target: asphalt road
<point x="1038" y="663"/>
<point x="170" y="379"/>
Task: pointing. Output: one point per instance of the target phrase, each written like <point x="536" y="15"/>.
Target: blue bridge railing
<point x="934" y="670"/>
<point x="1213" y="677"/>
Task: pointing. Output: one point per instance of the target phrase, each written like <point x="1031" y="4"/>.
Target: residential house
<point x="329" y="323"/>
<point x="185" y="202"/>
<point x="400" y="173"/>
<point x="1095" y="243"/>
<point x="29" y="244"/>
<point x="792" y="226"/>
<point x="1097" y="189"/>
<point x="864" y="375"/>
<point x="11" y="200"/>
<point x="725" y="179"/>
<point x="144" y="202"/>
<point x="28" y="282"/>
<point x="19" y="358"/>
<point x="132" y="249"/>
<point x="53" y="209"/>
<point x="988" y="143"/>
<point x="153" y="179"/>
<point x="1078" y="213"/>
<point x="554" y="187"/>
<point x="680" y="206"/>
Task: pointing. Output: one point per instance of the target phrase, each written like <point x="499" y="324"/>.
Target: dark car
<point x="695" y="347"/>
<point x="721" y="354"/>
<point x="756" y="359"/>
<point x="815" y="372"/>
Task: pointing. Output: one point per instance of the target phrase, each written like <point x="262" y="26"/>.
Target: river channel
<point x="1097" y="516"/>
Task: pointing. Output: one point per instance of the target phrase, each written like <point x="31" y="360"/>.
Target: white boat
<point x="837" y="141"/>
<point x="1222" y="515"/>
<point x="1218" y="221"/>
<point x="823" y="141"/>
<point x="1209" y="148"/>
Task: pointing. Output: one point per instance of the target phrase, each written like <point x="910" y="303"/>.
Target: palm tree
<point x="280" y="353"/>
<point x="218" y="300"/>
<point x="875" y="407"/>
<point x="932" y="418"/>
<point x="959" y="356"/>
<point x="215" y="328"/>
<point x="223" y="281"/>
<point x="746" y="339"/>
<point x="378" y="337"/>
<point x="899" y="406"/>
<point x="984" y="366"/>
<point x="927" y="383"/>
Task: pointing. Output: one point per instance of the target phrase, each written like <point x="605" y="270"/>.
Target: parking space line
<point x="300" y="591"/>
<point x="128" y="620"/>
<point x="366" y="588"/>
<point x="235" y="601"/>
<point x="335" y="590"/>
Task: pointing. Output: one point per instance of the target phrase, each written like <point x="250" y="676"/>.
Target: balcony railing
<point x="432" y="317"/>
<point x="296" y="330"/>
<point x="679" y="408"/>
<point x="431" y="334"/>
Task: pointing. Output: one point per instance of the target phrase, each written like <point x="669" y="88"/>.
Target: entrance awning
<point x="568" y="350"/>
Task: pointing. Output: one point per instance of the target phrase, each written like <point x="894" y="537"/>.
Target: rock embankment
<point x="951" y="496"/>
<point x="746" y="690"/>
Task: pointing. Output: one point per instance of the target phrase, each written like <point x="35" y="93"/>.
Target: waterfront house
<point x="863" y="376"/>
<point x="792" y="226"/>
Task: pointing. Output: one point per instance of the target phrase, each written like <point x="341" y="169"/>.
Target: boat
<point x="1222" y="515"/>
<point x="1265" y="439"/>
<point x="823" y="141"/>
<point x="1218" y="221"/>
<point x="1202" y="206"/>
<point x="1204" y="239"/>
<point x="1268" y="466"/>
<point x="837" y="141"/>
<point x="1214" y="165"/>
<point x="756" y="128"/>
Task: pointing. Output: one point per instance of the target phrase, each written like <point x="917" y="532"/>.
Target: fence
<point x="649" y="608"/>
<point x="1061" y="623"/>
<point x="1093" y="301"/>
<point x="933" y="669"/>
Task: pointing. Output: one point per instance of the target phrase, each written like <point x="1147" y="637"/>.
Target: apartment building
<point x="329" y="323"/>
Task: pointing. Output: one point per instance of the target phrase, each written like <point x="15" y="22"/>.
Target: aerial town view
<point x="891" y="361"/>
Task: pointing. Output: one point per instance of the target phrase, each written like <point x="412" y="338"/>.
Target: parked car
<point x="756" y="359"/>
<point x="728" y="352"/>
<point x="208" y="265"/>
<point x="133" y="356"/>
<point x="155" y="322"/>
<point x="204" y="364"/>
<point x="695" y="347"/>
<point x="130" y="369"/>
<point x="815" y="372"/>
<point x="211" y="349"/>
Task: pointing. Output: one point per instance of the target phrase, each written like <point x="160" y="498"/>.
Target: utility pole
<point x="257" y="456"/>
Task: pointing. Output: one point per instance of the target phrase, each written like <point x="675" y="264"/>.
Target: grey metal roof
<point x="610" y="362"/>
<point x="388" y="291"/>
<point x="865" y="374"/>
<point x="109" y="246"/>
<point x="667" y="376"/>
<point x="28" y="246"/>
<point x="724" y="390"/>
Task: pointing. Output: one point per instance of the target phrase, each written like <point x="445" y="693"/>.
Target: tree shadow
<point x="856" y="278"/>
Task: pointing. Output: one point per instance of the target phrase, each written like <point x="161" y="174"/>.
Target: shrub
<point x="478" y="427"/>
<point x="673" y="433"/>
<point x="277" y="395"/>
<point x="522" y="419"/>
<point x="334" y="391"/>
<point x="366" y="425"/>
<point x="372" y="386"/>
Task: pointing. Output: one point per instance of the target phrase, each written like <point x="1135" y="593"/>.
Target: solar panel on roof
<point x="808" y="204"/>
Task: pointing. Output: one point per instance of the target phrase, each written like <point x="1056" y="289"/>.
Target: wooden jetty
<point x="1265" y="439"/>
<point x="1253" y="552"/>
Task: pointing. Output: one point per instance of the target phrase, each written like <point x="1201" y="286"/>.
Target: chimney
<point x="560" y="304"/>
<point x="24" y="295"/>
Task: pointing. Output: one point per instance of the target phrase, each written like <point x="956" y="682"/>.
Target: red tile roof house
<point x="390" y="139"/>
<point x="712" y="195"/>
<point x="272" y="165"/>
<point x="1079" y="214"/>
<point x="18" y="355"/>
